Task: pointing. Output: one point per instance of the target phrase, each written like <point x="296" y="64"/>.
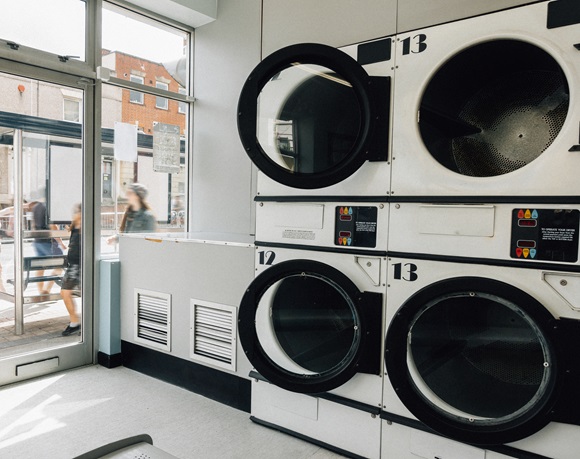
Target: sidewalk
<point x="43" y="323"/>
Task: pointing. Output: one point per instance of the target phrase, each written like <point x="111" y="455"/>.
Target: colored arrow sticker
<point x="526" y="253"/>
<point x="533" y="253"/>
<point x="519" y="252"/>
<point x="535" y="214"/>
<point x="521" y="214"/>
<point x="528" y="214"/>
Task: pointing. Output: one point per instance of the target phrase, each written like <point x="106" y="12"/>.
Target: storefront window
<point x="153" y="55"/>
<point x="148" y="45"/>
<point x="61" y="24"/>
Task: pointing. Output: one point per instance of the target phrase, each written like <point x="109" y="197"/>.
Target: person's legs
<point x="40" y="285"/>
<point x="46" y="290"/>
<point x="70" y="281"/>
<point x="55" y="250"/>
<point x="42" y="249"/>
<point x="69" y="302"/>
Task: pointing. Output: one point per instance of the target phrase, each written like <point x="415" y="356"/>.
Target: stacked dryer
<point x="315" y="121"/>
<point x="483" y="297"/>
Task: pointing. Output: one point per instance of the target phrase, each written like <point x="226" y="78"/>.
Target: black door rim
<point x="258" y="356"/>
<point x="307" y="53"/>
<point x="396" y="354"/>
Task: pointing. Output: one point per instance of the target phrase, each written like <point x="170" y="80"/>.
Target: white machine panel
<point x="319" y="224"/>
<point x="407" y="443"/>
<point x="527" y="233"/>
<point x="342" y="427"/>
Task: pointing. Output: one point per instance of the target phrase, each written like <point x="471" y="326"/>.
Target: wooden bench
<point x="40" y="264"/>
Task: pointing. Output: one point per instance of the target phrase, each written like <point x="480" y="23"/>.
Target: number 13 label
<point x="414" y="45"/>
<point x="405" y="271"/>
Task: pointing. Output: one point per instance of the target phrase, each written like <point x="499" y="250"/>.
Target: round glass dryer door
<point x="305" y="116"/>
<point x="473" y="360"/>
<point x="301" y="327"/>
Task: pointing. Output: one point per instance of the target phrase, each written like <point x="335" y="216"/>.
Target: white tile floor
<point x="66" y="414"/>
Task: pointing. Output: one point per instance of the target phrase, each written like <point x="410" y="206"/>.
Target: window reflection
<point x="309" y="119"/>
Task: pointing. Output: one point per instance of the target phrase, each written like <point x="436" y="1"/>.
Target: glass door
<point x="44" y="290"/>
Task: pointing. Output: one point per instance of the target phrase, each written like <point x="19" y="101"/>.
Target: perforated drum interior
<point x="493" y="108"/>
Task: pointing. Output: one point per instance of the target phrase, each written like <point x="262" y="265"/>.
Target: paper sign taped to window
<point x="166" y="148"/>
<point x="125" y="142"/>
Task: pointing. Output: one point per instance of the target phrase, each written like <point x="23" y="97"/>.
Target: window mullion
<point x="147" y="89"/>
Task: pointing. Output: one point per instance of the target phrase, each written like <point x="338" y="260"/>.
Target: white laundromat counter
<point x="179" y="298"/>
<point x="229" y="239"/>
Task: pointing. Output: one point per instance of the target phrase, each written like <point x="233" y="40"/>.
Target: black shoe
<point x="70" y="330"/>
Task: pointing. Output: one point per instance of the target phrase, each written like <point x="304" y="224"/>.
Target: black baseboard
<point x="109" y="361"/>
<point x="214" y="384"/>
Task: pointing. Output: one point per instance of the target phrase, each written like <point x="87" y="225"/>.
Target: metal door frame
<point x="81" y="353"/>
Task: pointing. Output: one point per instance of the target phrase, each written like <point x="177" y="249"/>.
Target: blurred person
<point x="71" y="280"/>
<point x="138" y="217"/>
<point x="45" y="246"/>
<point x="8" y="232"/>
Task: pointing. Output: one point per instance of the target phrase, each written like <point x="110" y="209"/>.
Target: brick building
<point x="143" y="109"/>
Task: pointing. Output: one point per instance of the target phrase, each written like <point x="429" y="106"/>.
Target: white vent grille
<point x="213" y="334"/>
<point x="153" y="319"/>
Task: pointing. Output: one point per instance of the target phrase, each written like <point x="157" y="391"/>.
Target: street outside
<point x="43" y="322"/>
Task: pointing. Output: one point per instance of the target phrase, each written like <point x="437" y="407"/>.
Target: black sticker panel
<point x="375" y="51"/>
<point x="545" y="234"/>
<point x="563" y="13"/>
<point x="356" y="226"/>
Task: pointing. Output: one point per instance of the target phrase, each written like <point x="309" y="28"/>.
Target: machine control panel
<point x="545" y="234"/>
<point x="356" y="226"/>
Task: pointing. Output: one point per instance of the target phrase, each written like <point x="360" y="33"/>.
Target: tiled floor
<point x="70" y="413"/>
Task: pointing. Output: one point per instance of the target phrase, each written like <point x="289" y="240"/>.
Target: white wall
<point x="414" y="14"/>
<point x="194" y="13"/>
<point x="223" y="181"/>
<point x="332" y="22"/>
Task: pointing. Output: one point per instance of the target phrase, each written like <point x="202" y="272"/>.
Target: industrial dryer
<point x="488" y="106"/>
<point x="315" y="120"/>
<point x="311" y="322"/>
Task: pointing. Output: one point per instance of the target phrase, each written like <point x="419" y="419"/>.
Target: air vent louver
<point x="153" y="319"/>
<point x="213" y="334"/>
